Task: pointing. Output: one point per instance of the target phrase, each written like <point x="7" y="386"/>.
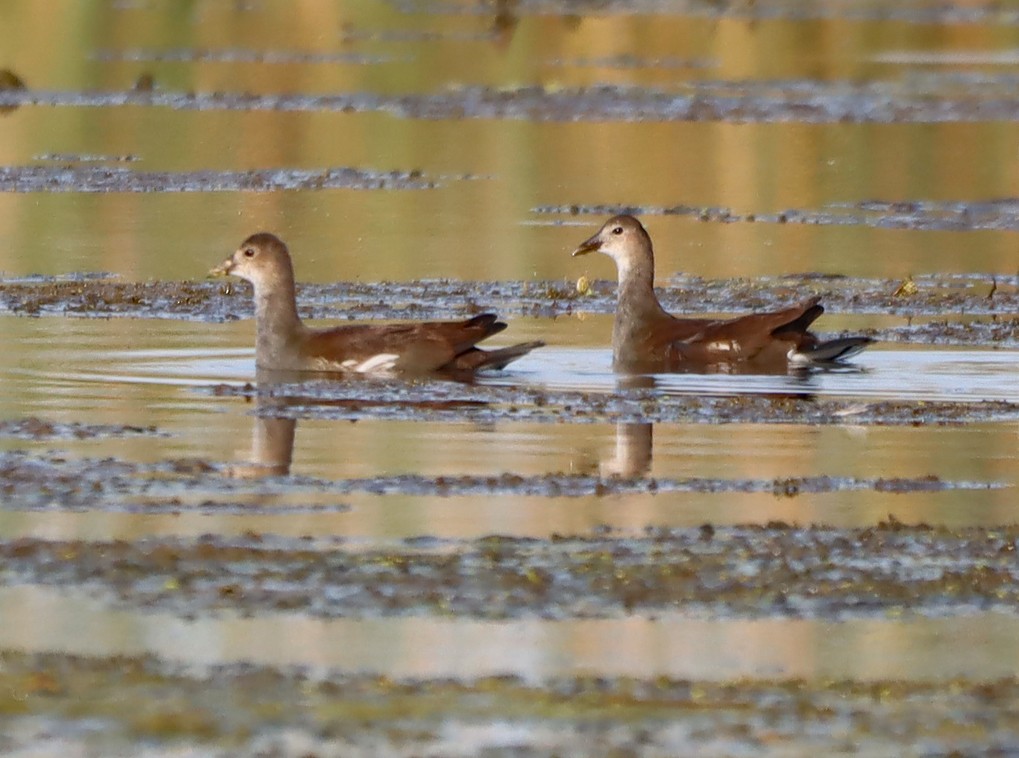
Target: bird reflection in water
<point x="283" y="396"/>
<point x="272" y="436"/>
<point x="634" y="440"/>
<point x="634" y="449"/>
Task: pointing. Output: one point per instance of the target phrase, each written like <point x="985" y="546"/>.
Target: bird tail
<point x="499" y="359"/>
<point x="832" y="351"/>
<point x="476" y="359"/>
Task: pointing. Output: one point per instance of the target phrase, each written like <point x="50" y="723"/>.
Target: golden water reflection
<point x="984" y="645"/>
<point x="481" y="228"/>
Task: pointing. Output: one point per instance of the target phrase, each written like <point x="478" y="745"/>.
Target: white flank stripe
<point x="380" y="362"/>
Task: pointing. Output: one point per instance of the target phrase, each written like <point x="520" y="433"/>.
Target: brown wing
<point x="757" y="336"/>
<point x="417" y="347"/>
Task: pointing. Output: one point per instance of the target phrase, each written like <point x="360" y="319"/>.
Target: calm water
<point x="678" y="647"/>
<point x="479" y="223"/>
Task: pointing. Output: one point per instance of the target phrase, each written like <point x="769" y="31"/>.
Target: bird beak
<point x="591" y="245"/>
<point x="223" y="269"/>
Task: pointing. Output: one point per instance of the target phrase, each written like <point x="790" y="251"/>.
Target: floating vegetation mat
<point x="994" y="301"/>
<point x="804" y="101"/>
<point x="716" y="572"/>
<point x="79" y="178"/>
<point x="56" y="702"/>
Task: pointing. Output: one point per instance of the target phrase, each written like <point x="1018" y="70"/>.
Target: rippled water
<point x="961" y="375"/>
<point x="92" y="353"/>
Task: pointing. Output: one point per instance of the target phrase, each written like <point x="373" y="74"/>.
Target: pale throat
<point x="634" y="278"/>
<point x="624" y="267"/>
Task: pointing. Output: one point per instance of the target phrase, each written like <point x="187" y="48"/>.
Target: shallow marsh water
<point x="693" y="563"/>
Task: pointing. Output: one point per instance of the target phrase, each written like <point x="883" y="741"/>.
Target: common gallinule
<point x="284" y="343"/>
<point x="645" y="338"/>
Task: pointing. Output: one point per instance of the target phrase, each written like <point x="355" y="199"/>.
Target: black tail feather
<point x="835" y="351"/>
<point x="476" y="359"/>
<point x="499" y="359"/>
<point x="802" y="323"/>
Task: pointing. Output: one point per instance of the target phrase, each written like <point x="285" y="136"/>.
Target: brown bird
<point x="284" y="343"/>
<point x="645" y="338"/>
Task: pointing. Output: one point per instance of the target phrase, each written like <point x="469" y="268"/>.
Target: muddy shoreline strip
<point x="813" y="102"/>
<point x="31" y="481"/>
<point x="1000" y="214"/>
<point x="250" y="709"/>
<point x="974" y="295"/>
<point x="101" y="179"/>
<point x="986" y="308"/>
<point x="777" y="570"/>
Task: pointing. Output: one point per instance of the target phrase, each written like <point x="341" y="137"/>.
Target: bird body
<point x="646" y="338"/>
<point x="283" y="342"/>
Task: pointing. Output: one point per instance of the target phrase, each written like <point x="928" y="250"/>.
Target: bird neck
<point x="637" y="306"/>
<point x="276" y="319"/>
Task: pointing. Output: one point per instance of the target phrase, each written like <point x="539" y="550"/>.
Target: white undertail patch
<point x="377" y="363"/>
<point x="796" y="358"/>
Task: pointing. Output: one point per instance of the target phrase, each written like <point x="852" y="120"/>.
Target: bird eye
<point x="249" y="252"/>
<point x="617" y="230"/>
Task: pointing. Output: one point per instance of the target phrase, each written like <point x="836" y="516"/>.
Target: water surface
<point x="773" y="145"/>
